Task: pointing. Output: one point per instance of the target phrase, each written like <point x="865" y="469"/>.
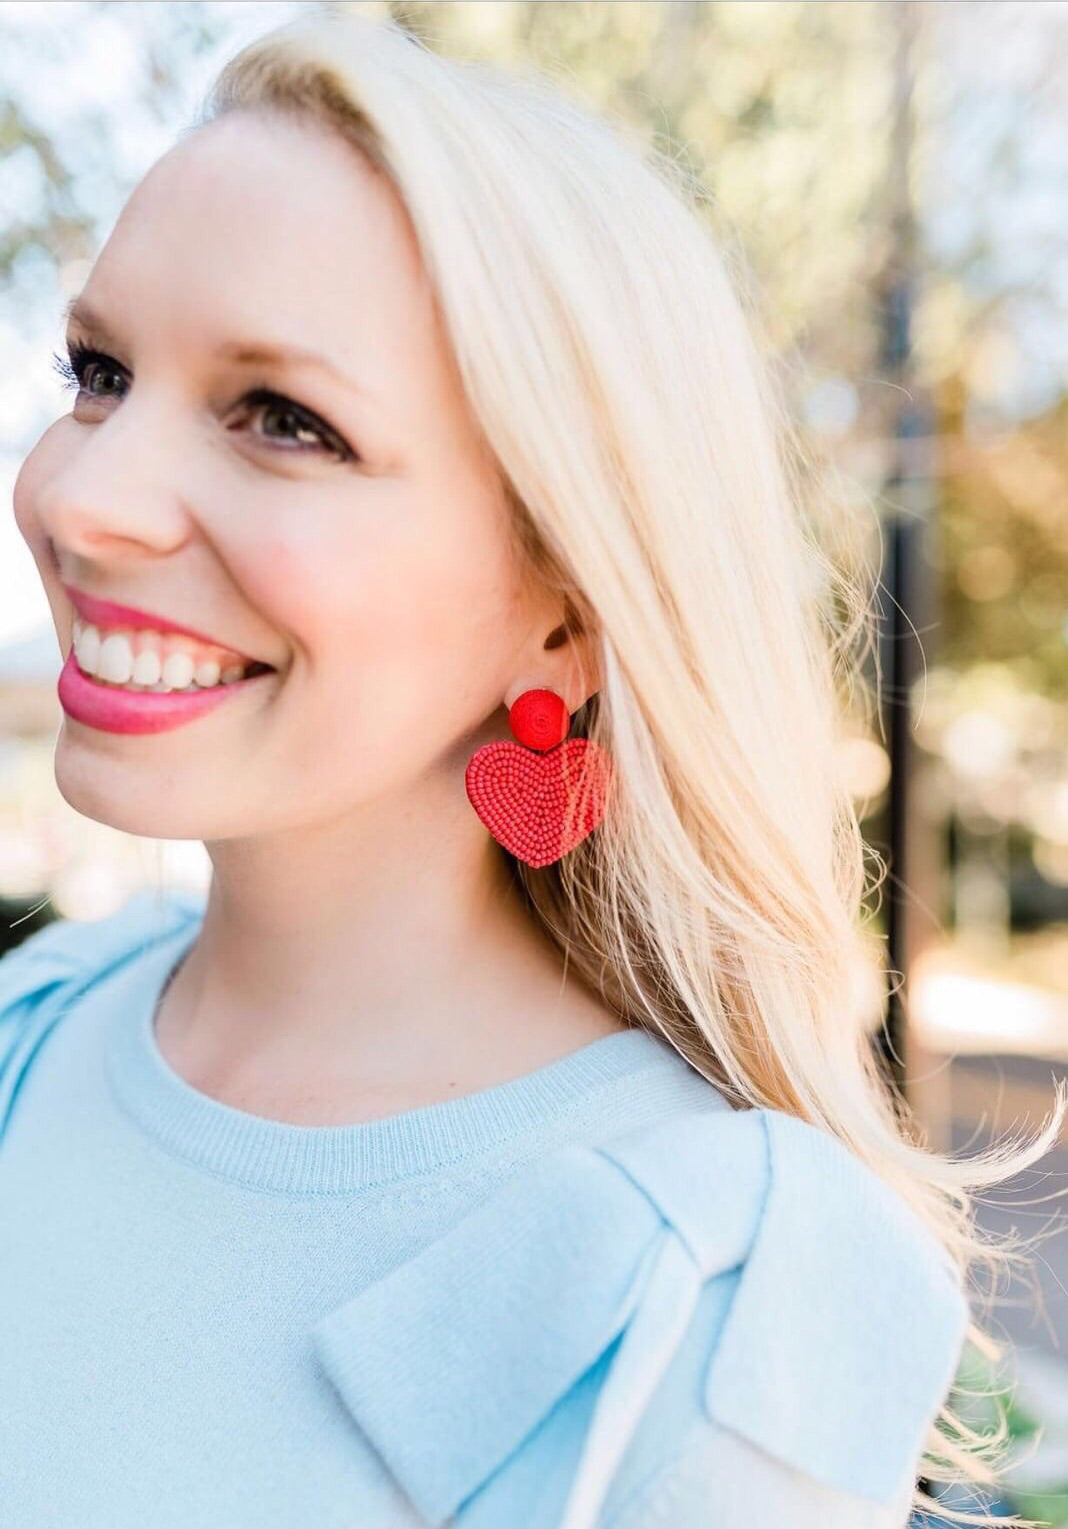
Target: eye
<point x="73" y="371"/>
<point x="303" y="420"/>
<point x="86" y="364"/>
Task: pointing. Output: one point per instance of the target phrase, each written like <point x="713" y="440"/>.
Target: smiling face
<point x="342" y="522"/>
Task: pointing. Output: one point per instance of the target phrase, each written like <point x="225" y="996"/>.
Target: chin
<point x="104" y="792"/>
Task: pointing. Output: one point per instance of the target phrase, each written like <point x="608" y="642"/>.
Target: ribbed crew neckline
<point x="274" y="1155"/>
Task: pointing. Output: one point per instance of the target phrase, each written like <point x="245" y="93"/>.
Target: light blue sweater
<point x="593" y="1297"/>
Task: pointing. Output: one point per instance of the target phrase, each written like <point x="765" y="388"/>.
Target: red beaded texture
<point x="539" y="718"/>
<point x="539" y="803"/>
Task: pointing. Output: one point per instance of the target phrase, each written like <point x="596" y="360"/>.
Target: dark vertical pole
<point x="907" y="629"/>
<point x="906" y="598"/>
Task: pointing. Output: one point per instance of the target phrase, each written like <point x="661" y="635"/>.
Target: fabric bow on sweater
<point x="842" y="1330"/>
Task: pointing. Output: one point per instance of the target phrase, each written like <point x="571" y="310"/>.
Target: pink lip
<point x="107" y="613"/>
<point x="131" y="711"/>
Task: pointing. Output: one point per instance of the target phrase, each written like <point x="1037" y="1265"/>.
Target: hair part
<point x="610" y="351"/>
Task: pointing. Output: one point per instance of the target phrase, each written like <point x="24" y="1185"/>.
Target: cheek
<point x="394" y="591"/>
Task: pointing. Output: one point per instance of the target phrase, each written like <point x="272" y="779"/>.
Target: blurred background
<point x="895" y="178"/>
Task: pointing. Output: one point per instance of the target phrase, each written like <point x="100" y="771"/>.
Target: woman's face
<point x="351" y="531"/>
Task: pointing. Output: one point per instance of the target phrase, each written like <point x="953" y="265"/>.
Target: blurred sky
<point x="69" y="63"/>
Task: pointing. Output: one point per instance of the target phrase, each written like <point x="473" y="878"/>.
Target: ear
<point x="567" y="662"/>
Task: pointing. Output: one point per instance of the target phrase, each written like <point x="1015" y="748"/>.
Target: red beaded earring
<point x="522" y="794"/>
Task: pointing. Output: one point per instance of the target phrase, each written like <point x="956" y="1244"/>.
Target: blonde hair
<point x="609" y="359"/>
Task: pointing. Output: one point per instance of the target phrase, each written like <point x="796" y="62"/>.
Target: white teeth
<point x="86" y="647"/>
<point x="111" y="658"/>
<point x="147" y="667"/>
<point x="178" y="671"/>
<point x="116" y="660"/>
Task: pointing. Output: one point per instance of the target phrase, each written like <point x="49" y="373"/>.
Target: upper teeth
<point x="157" y="660"/>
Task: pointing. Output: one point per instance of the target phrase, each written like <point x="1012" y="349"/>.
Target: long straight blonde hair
<point x="604" y="339"/>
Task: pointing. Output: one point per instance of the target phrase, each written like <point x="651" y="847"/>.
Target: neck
<point x="399" y="988"/>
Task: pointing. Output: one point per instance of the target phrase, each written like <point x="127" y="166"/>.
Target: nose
<point x="110" y="489"/>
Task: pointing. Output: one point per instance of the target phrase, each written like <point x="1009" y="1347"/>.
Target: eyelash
<point x="73" y="369"/>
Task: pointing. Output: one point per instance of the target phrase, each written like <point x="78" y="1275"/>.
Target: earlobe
<point x="582" y="677"/>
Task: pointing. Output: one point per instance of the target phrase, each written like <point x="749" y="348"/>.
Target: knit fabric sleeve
<point x="29" y="971"/>
<point x="42" y="976"/>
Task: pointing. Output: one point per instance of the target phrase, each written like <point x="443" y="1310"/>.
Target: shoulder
<point x="71" y="948"/>
<point x="722" y="1270"/>
<point x="50" y="966"/>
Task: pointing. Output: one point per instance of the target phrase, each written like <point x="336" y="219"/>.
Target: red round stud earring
<point x="522" y="793"/>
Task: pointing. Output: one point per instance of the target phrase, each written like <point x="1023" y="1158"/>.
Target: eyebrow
<point x="243" y="352"/>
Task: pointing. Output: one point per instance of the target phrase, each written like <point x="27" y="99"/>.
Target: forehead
<point x="263" y="222"/>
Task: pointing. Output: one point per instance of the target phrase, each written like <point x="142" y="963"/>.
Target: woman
<point x="500" y="1142"/>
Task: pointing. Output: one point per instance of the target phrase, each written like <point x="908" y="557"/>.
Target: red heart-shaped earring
<point x="522" y="794"/>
